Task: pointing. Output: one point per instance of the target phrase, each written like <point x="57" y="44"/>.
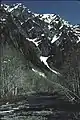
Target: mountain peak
<point x="48" y="33"/>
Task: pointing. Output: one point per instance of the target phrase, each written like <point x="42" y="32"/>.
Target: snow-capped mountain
<point x="45" y="39"/>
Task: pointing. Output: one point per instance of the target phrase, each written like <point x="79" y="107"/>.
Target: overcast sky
<point x="69" y="10"/>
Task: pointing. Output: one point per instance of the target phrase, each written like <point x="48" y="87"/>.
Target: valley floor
<point x="35" y="108"/>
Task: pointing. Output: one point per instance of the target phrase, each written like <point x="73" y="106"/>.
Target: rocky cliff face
<point x="47" y="41"/>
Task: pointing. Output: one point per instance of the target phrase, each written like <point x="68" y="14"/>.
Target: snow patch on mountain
<point x="42" y="34"/>
<point x="55" y="38"/>
<point x="78" y="40"/>
<point x="46" y="17"/>
<point x="30" y="29"/>
<point x="34" y="41"/>
<point x="2" y="19"/>
<point x="50" y="26"/>
<point x="7" y="8"/>
<point x="44" y="60"/>
<point x="40" y="73"/>
<point x="35" y="14"/>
